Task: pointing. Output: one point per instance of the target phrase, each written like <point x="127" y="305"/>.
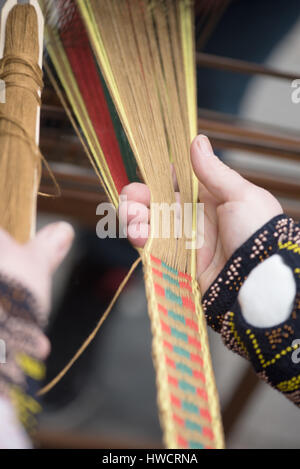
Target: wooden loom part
<point x="20" y="162"/>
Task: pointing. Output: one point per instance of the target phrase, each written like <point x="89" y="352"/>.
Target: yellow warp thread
<point x="66" y="76"/>
<point x="31" y="367"/>
<point x="76" y="128"/>
<point x="146" y="54"/>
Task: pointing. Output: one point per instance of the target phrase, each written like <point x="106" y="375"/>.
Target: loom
<point x="125" y="72"/>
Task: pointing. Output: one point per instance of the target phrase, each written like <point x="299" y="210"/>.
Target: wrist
<point x="25" y="347"/>
<point x="223" y="292"/>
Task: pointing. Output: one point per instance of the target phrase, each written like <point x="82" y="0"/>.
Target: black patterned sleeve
<point x="23" y="347"/>
<point x="272" y="351"/>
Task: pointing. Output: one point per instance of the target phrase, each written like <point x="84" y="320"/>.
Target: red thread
<point x="168" y="345"/>
<point x="196" y="358"/>
<point x="197" y="374"/>
<point x="194" y="342"/>
<point x="154" y="259"/>
<point x="157" y="272"/>
<point x="173" y="380"/>
<point x="186" y="276"/>
<point x="192" y="324"/>
<point x="185" y="286"/>
<point x="162" y="309"/>
<point x="188" y="303"/>
<point x="202" y="393"/>
<point x="208" y="432"/>
<point x="165" y="327"/>
<point x="205" y="414"/>
<point x="175" y="400"/>
<point x="159" y="290"/>
<point x="170" y="362"/>
<point x="83" y="66"/>
<point x="182" y="442"/>
<point x="178" y="420"/>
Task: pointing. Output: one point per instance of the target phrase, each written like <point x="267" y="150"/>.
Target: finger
<point x="138" y="234"/>
<point x="137" y="192"/>
<point x="222" y="182"/>
<point x="131" y="210"/>
<point x="52" y="243"/>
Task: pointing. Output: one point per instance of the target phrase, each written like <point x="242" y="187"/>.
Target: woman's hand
<point x="234" y="209"/>
<point x="31" y="265"/>
<point x="34" y="263"/>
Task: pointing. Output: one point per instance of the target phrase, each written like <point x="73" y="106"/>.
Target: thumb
<point x="53" y="243"/>
<point x="222" y="182"/>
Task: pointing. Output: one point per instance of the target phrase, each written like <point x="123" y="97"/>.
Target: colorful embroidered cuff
<point x="23" y="346"/>
<point x="223" y="292"/>
<point x="272" y="351"/>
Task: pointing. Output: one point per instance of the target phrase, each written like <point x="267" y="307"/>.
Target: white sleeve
<point x="12" y="434"/>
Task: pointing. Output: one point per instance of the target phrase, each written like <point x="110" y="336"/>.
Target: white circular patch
<point x="267" y="296"/>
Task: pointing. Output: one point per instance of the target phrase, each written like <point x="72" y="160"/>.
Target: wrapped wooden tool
<point x="20" y="159"/>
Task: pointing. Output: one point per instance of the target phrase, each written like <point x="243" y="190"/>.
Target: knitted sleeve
<point x="23" y="346"/>
<point x="271" y="350"/>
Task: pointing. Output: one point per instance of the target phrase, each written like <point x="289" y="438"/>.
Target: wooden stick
<point x="20" y="160"/>
<point x="241" y="66"/>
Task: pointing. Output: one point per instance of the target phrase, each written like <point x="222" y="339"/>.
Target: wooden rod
<point x="241" y="66"/>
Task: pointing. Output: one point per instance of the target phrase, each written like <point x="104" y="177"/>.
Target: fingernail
<point x="204" y="145"/>
<point x="62" y="236"/>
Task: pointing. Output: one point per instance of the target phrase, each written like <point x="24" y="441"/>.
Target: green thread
<point x="186" y="386"/>
<point x="193" y="426"/>
<point x="176" y="317"/>
<point x="184" y="368"/>
<point x="173" y="297"/>
<point x="178" y="334"/>
<point x="171" y="280"/>
<point x="189" y="407"/>
<point x="170" y="269"/>
<point x="181" y="351"/>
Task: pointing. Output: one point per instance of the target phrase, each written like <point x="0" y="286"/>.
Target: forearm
<point x="25" y="348"/>
<point x="12" y="432"/>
